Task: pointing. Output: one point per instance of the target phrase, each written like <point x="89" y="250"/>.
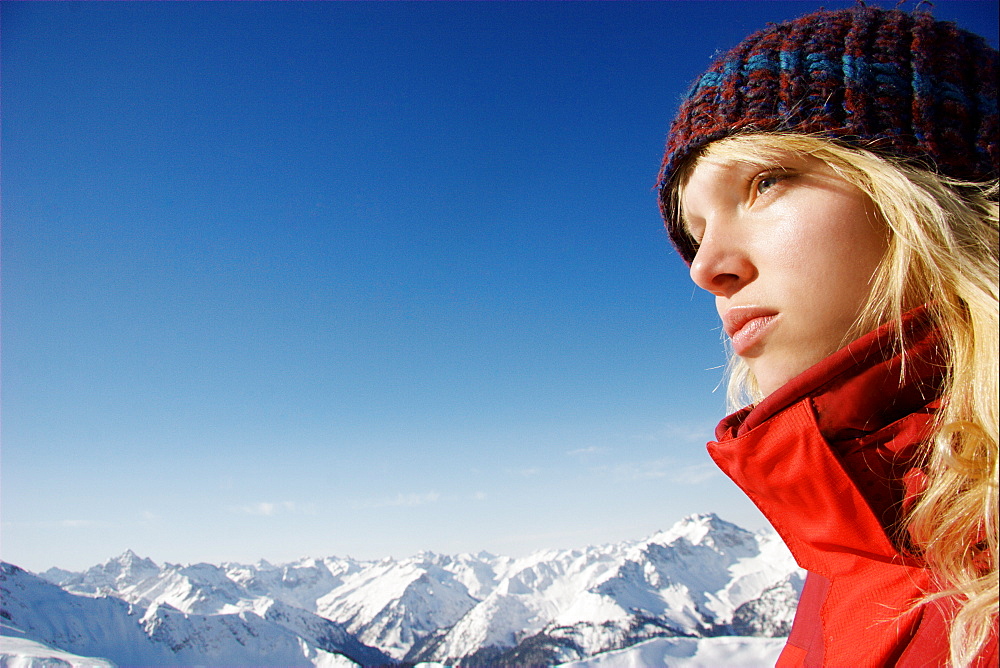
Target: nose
<point x="722" y="264"/>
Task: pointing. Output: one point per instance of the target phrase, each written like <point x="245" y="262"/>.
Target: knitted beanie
<point x="896" y="83"/>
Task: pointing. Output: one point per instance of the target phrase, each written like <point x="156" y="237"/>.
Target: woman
<point x="832" y="182"/>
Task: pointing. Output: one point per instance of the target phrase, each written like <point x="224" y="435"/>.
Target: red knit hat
<point x="896" y="83"/>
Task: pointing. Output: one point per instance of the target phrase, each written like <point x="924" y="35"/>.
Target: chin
<point x="768" y="383"/>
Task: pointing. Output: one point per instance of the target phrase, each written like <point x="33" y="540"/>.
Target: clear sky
<point x="289" y="279"/>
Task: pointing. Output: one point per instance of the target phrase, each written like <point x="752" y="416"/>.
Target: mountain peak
<point x="710" y="520"/>
<point x="695" y="528"/>
<point x="127" y="568"/>
<point x="127" y="559"/>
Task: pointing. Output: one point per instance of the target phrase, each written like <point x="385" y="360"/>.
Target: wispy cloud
<point x="526" y="472"/>
<point x="683" y="433"/>
<point x="695" y="474"/>
<point x="270" y="509"/>
<point x="61" y="524"/>
<point x="582" y="452"/>
<point x="666" y="468"/>
<point x="399" y="501"/>
<point x="641" y="470"/>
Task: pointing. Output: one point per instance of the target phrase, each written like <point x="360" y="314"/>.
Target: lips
<point x="747" y="325"/>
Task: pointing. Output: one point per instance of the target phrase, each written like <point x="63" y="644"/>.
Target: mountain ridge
<point x="703" y="577"/>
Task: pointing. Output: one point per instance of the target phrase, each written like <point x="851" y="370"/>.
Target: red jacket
<point x="826" y="459"/>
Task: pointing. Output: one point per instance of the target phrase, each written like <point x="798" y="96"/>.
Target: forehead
<point x="710" y="174"/>
<point x="728" y="165"/>
<point x="710" y="168"/>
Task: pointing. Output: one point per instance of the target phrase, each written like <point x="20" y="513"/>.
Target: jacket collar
<point x="863" y="386"/>
<point x="825" y="458"/>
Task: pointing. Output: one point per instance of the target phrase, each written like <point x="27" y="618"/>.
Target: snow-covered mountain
<point x="158" y="634"/>
<point x="703" y="578"/>
<point x="728" y="651"/>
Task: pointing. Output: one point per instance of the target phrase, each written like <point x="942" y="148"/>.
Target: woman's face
<point x="789" y="251"/>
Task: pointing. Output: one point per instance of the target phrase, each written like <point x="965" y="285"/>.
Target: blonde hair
<point x="942" y="252"/>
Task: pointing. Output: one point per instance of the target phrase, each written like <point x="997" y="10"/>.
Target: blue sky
<point x="288" y="279"/>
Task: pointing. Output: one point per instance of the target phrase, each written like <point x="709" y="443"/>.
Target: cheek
<point x="837" y="244"/>
<point x="861" y="249"/>
<point x="844" y="262"/>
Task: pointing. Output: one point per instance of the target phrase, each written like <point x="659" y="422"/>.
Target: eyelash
<point x="774" y="175"/>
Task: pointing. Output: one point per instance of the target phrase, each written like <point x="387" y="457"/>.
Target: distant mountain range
<point x="704" y="588"/>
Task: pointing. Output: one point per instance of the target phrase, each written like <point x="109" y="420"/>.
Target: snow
<point x="732" y="652"/>
<point x="702" y="577"/>
<point x="160" y="635"/>
<point x="394" y="605"/>
<point x="24" y="653"/>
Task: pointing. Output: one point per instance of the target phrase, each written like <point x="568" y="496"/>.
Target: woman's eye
<point x="765" y="182"/>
